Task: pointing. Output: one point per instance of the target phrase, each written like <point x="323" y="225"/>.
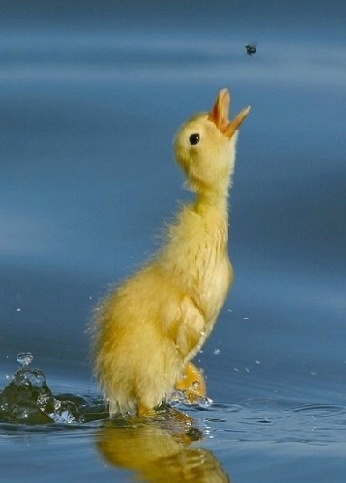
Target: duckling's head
<point x="205" y="146"/>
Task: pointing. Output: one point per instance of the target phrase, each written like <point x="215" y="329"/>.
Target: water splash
<point x="177" y="397"/>
<point x="29" y="400"/>
<point x="187" y="398"/>
<point x="24" y="358"/>
<point x="205" y="402"/>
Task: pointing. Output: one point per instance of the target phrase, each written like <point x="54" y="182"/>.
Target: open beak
<point x="220" y="112"/>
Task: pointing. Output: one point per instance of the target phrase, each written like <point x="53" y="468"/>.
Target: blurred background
<point x="91" y="95"/>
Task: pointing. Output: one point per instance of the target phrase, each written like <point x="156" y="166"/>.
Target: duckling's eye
<point x="194" y="139"/>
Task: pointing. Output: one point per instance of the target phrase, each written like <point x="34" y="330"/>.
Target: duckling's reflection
<point x="159" y="450"/>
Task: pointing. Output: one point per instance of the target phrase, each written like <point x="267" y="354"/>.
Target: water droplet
<point x="177" y="397"/>
<point x="217" y="352"/>
<point x="29" y="378"/>
<point x="42" y="400"/>
<point x="246" y="318"/>
<point x="257" y="362"/>
<point x="57" y="405"/>
<point x="247" y="370"/>
<point x="205" y="402"/>
<point x="37" y="378"/>
<point x="18" y="309"/>
<point x="24" y="358"/>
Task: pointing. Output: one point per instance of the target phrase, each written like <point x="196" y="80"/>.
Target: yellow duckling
<point x="149" y="329"/>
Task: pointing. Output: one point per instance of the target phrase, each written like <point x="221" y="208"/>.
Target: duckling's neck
<point x="211" y="200"/>
<point x="201" y="229"/>
<point x="196" y="253"/>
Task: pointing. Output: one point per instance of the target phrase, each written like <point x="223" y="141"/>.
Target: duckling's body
<point x="149" y="329"/>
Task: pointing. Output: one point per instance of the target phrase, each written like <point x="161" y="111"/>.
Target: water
<point x="91" y="95"/>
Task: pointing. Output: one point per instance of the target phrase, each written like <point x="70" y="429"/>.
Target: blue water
<point x="91" y="95"/>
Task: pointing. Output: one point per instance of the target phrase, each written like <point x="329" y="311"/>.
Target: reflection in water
<point x="159" y="449"/>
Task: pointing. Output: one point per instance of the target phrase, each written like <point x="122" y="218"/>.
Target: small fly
<point x="250" y="48"/>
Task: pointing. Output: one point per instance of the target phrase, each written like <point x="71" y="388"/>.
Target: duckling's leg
<point x="144" y="411"/>
<point x="192" y="383"/>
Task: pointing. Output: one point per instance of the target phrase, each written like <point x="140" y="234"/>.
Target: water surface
<point x="91" y="96"/>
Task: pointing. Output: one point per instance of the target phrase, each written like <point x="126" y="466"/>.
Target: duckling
<point x="148" y="330"/>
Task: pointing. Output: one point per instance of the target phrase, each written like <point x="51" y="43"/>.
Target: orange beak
<point x="220" y="112"/>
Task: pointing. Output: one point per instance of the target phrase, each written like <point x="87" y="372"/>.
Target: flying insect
<point x="251" y="48"/>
